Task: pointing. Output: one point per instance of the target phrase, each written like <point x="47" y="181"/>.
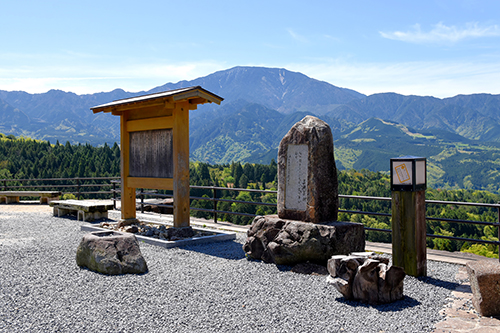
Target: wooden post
<point x="181" y="164"/>
<point x="114" y="195"/>
<point x="498" y="230"/>
<point x="409" y="232"/>
<point x="128" y="193"/>
<point x="142" y="201"/>
<point x="215" y="204"/>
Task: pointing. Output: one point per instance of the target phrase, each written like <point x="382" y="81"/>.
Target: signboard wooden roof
<point x="194" y="95"/>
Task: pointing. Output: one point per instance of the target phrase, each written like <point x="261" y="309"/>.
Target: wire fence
<point x="109" y="187"/>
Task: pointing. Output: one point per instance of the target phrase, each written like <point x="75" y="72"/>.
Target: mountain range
<point x="460" y="135"/>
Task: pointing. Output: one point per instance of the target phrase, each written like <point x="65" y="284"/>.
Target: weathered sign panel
<point x="151" y="154"/>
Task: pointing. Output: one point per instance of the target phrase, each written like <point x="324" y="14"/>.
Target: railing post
<point x="78" y="187"/>
<point x="215" y="204"/>
<point x="114" y="194"/>
<point x="5" y="184"/>
<point x="142" y="201"/>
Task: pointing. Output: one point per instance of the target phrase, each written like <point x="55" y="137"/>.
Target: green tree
<point x="243" y="183"/>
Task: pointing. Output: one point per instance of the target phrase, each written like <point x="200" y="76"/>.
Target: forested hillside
<point x="25" y="158"/>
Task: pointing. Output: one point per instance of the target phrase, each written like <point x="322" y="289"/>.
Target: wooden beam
<point x="166" y="103"/>
<point x="197" y="100"/>
<point x="153" y="112"/>
<point x="197" y="93"/>
<point x="128" y="192"/>
<point x="151" y="183"/>
<point x="181" y="165"/>
<point x="150" y="124"/>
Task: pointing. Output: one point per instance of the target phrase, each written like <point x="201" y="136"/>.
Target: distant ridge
<point x="66" y="116"/>
<point x="459" y="135"/>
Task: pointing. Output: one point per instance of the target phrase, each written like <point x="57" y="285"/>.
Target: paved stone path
<point x="460" y="315"/>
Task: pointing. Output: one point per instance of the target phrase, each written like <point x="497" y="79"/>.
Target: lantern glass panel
<point x="402" y="173"/>
<point x="420" y="172"/>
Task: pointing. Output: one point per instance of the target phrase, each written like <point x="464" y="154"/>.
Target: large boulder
<point x="484" y="277"/>
<point x="287" y="242"/>
<point x="111" y="252"/>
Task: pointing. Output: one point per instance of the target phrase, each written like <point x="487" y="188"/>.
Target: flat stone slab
<point x="484" y="277"/>
<point x="86" y="210"/>
<point x="218" y="237"/>
<point x="86" y="206"/>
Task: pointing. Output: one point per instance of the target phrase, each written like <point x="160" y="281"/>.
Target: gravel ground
<point x="204" y="288"/>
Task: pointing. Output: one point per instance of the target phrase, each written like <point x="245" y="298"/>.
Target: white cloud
<point x="297" y="37"/>
<point x="442" y="33"/>
<point x="86" y="78"/>
<point x="434" y="78"/>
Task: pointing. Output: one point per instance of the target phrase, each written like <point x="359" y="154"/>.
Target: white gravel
<point x="204" y="288"/>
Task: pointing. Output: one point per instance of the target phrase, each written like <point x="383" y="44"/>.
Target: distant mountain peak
<point x="275" y="88"/>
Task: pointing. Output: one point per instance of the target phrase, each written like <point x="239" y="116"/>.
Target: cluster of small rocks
<point x="366" y="277"/>
<point x="163" y="232"/>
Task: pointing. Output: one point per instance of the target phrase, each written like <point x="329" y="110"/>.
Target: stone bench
<point x="86" y="211"/>
<point x="484" y="277"/>
<point x="13" y="196"/>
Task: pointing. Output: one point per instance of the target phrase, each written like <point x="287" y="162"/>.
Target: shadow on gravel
<point x="439" y="283"/>
<point x="73" y="217"/>
<point x="405" y="303"/>
<point x="284" y="268"/>
<point x="227" y="250"/>
<point x="82" y="268"/>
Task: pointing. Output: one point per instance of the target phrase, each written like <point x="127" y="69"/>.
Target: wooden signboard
<point x="151" y="154"/>
<point x="155" y="145"/>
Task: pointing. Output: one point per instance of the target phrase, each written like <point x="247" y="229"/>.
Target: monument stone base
<point x="289" y="242"/>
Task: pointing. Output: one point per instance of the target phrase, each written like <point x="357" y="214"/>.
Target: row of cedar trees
<point x="23" y="158"/>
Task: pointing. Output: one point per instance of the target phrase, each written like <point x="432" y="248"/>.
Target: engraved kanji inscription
<point x="296" y="177"/>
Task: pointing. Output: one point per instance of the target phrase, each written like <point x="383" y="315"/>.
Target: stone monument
<point x="307" y="174"/>
<point x="306" y="228"/>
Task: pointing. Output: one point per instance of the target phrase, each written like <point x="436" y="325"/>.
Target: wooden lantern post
<point x="408" y="185"/>
<point x="154" y="137"/>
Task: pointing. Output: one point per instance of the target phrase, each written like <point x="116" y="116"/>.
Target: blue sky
<point x="437" y="48"/>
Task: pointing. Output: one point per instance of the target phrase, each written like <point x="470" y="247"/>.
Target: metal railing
<point x="430" y="218"/>
<point x="215" y="200"/>
<point x="114" y="184"/>
<point x="81" y="185"/>
<point x="474" y="204"/>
